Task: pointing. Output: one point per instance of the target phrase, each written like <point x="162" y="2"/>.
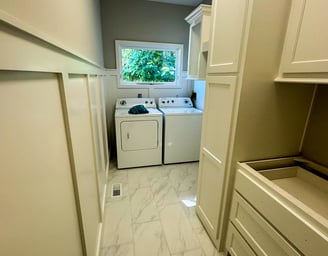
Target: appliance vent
<point x="117" y="190"/>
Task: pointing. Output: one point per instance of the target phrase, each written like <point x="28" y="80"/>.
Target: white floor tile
<point x="205" y="242"/>
<point x="155" y="215"/>
<point x="164" y="194"/>
<point x="157" y="173"/>
<point x="118" y="250"/>
<point x="179" y="234"/>
<point x="137" y="178"/>
<point x="149" y="239"/>
<point x="117" y="224"/>
<point x="142" y="206"/>
<point x="183" y="177"/>
<point x="197" y="252"/>
<point x="191" y="215"/>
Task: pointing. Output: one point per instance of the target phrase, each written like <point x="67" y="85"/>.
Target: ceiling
<point x="180" y="2"/>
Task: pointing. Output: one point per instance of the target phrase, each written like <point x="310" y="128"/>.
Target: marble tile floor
<point x="155" y="215"/>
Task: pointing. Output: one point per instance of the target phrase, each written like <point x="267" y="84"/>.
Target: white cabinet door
<point x="209" y="193"/>
<point x="306" y="43"/>
<point x="220" y="92"/>
<point x="215" y="138"/>
<point x="229" y="26"/>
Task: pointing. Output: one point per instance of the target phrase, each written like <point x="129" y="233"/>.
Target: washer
<point x="182" y="130"/>
<point x="138" y="137"/>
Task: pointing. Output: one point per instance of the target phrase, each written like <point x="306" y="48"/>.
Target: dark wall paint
<point x="142" y="20"/>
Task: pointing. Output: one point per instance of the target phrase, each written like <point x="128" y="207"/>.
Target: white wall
<point x="199" y="89"/>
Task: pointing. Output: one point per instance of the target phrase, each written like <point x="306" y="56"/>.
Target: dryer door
<point x="139" y="135"/>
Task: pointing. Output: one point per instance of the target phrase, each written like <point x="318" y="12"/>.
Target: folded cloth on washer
<point x="138" y="109"/>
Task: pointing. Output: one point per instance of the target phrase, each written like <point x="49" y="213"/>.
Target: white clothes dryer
<point x="138" y="136"/>
<point x="182" y="130"/>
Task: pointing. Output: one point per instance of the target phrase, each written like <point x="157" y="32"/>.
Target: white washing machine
<point x="138" y="136"/>
<point x="182" y="130"/>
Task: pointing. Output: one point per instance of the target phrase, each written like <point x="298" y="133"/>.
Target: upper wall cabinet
<point x="228" y="26"/>
<point x="199" y="32"/>
<point x="305" y="53"/>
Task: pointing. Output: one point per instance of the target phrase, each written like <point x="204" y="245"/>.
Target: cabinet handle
<point x="128" y="135"/>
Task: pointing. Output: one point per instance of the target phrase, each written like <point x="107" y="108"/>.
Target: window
<point x="145" y="64"/>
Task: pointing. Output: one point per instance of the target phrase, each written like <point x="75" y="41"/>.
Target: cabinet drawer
<point x="302" y="228"/>
<point x="261" y="236"/>
<point x="236" y="245"/>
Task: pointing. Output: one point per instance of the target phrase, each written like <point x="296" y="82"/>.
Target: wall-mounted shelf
<point x="199" y="21"/>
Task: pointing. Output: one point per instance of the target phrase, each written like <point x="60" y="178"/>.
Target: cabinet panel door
<point x="215" y="138"/>
<point x="209" y="195"/>
<point x="306" y="45"/>
<point x="229" y="23"/>
<point x="219" y="101"/>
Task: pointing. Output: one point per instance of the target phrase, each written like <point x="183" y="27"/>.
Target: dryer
<point x="138" y="136"/>
<point x="182" y="130"/>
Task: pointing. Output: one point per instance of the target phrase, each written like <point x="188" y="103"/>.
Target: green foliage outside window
<point x="139" y="65"/>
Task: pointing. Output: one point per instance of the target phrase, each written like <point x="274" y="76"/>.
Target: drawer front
<point x="259" y="234"/>
<point x="297" y="227"/>
<point x="236" y="245"/>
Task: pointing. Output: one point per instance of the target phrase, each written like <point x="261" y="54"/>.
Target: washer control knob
<point x="163" y="101"/>
<point x="146" y="102"/>
<point x="186" y="101"/>
<point x="123" y="102"/>
<point x="172" y="101"/>
<point x="151" y="102"/>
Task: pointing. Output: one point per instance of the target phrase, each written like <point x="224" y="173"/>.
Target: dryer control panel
<point x="130" y="102"/>
<point x="181" y="102"/>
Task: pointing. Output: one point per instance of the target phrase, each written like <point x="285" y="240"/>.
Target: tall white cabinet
<point x="247" y="116"/>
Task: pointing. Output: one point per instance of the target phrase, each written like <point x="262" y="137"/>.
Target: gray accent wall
<point x="141" y="20"/>
<point x="72" y="25"/>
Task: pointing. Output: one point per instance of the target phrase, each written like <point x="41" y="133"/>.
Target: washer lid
<point x="125" y="113"/>
<point x="181" y="111"/>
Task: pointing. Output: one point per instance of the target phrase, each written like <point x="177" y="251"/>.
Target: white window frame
<point x="119" y="44"/>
